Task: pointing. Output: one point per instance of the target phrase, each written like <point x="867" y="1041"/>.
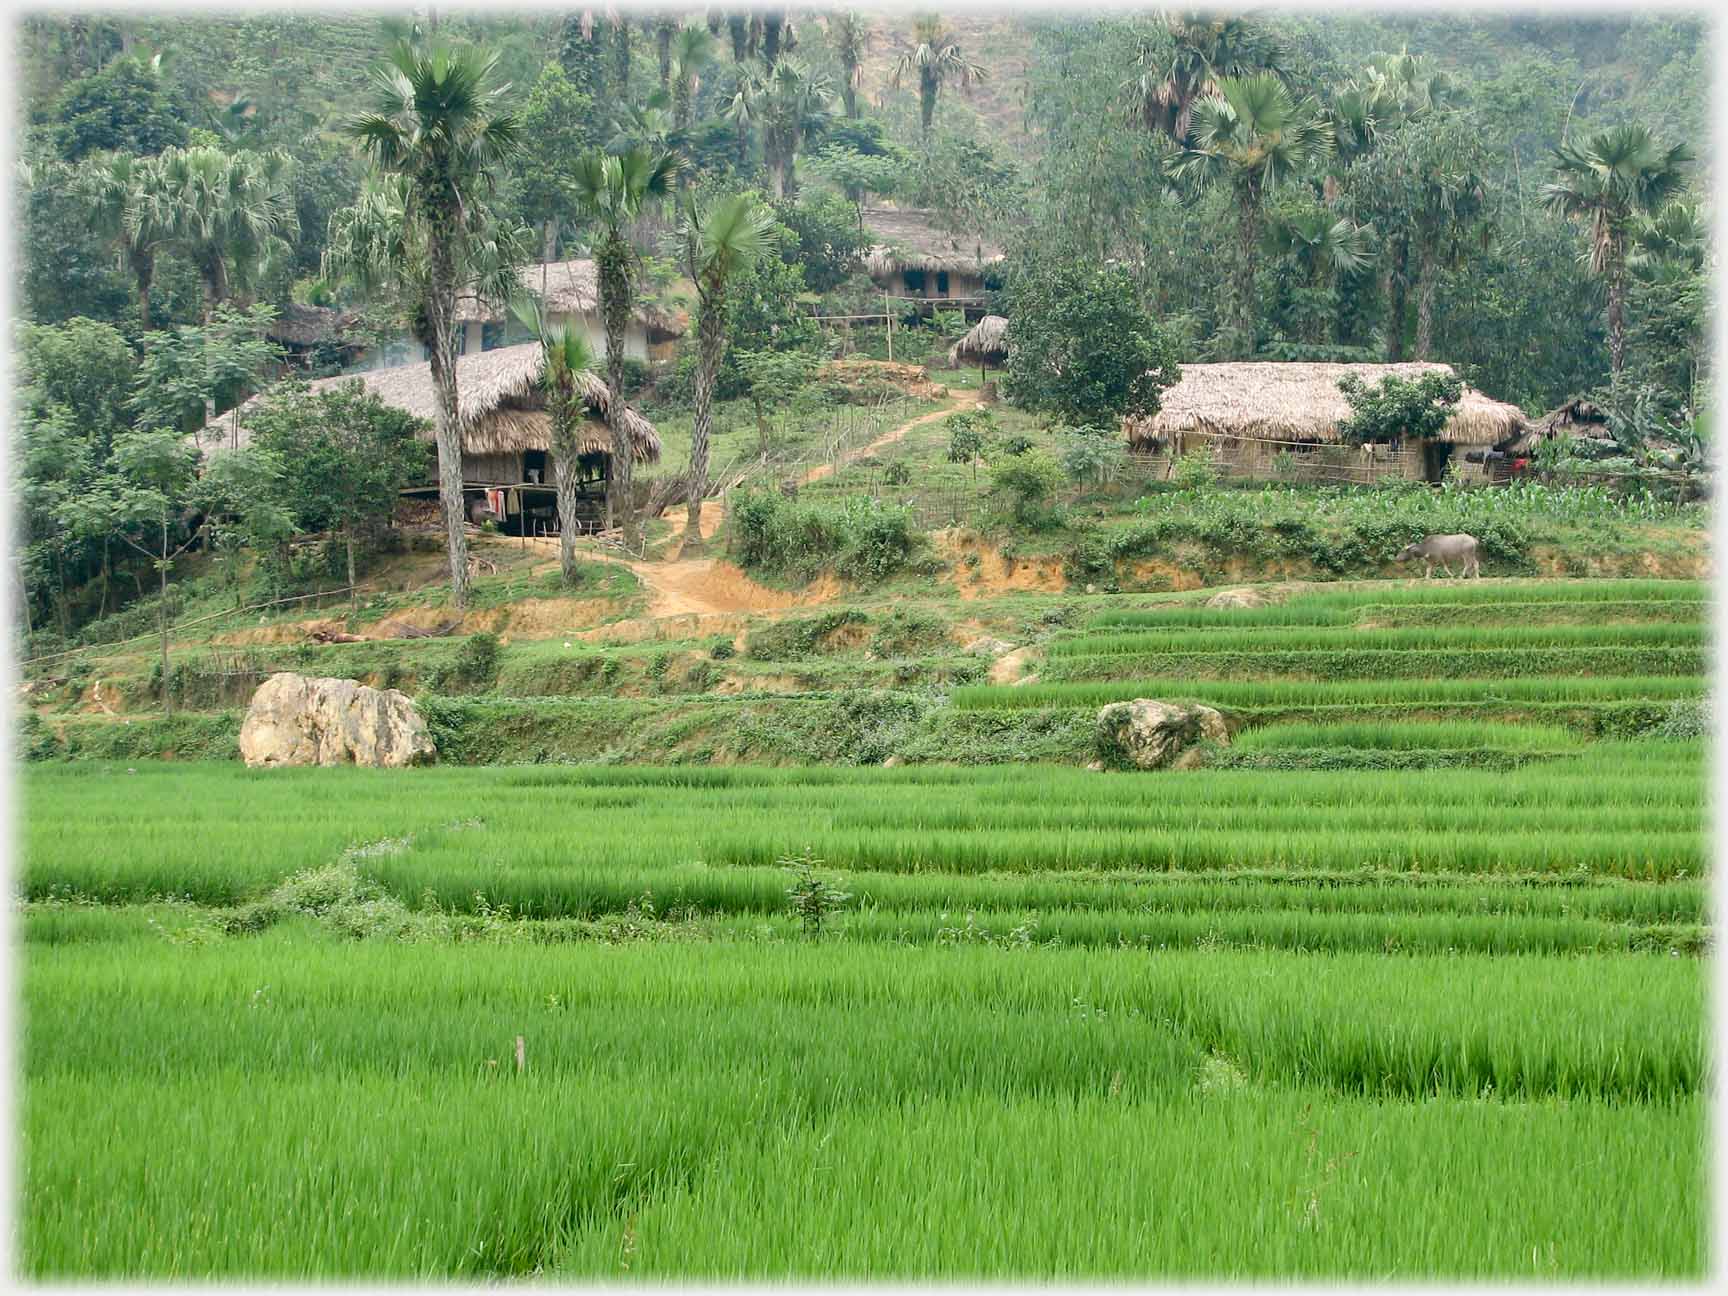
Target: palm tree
<point x="1204" y="49"/>
<point x="228" y="212"/>
<point x="665" y="28"/>
<point x="125" y="200"/>
<point x="1254" y="136"/>
<point x="1670" y="245"/>
<point x="612" y="193"/>
<point x="1324" y="249"/>
<point x="1451" y="206"/>
<point x="692" y="51"/>
<point x="850" y="31"/>
<point x="1615" y="178"/>
<point x="439" y="123"/>
<point x="935" y="56"/>
<point x="568" y="374"/>
<point x="786" y="100"/>
<point x="723" y="239"/>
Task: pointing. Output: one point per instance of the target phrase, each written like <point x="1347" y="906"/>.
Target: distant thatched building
<point x="985" y="345"/>
<point x="571" y="298"/>
<point x="913" y="256"/>
<point x="1249" y="413"/>
<point x="308" y="334"/>
<point x="506" y="432"/>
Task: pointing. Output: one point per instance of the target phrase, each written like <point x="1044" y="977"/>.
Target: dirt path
<point x="961" y="400"/>
<point x="699" y="587"/>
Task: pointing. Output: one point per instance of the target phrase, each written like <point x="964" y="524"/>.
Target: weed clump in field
<point x="813" y="898"/>
<point x="1688" y="718"/>
<point x="339" y="897"/>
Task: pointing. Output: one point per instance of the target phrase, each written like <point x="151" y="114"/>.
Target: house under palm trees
<point x="913" y="255"/>
<point x="505" y="429"/>
<point x="571" y="299"/>
<point x="1249" y="414"/>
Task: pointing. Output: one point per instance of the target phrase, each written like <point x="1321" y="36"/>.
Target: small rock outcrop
<point x="1147" y="734"/>
<point x="1238" y="598"/>
<point x="988" y="647"/>
<point x="296" y="720"/>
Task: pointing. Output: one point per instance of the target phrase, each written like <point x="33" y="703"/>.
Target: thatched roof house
<point x="306" y="326"/>
<point x="1299" y="402"/>
<point x="501" y="408"/>
<point x="571" y="288"/>
<point x="913" y="255"/>
<point x="986" y="343"/>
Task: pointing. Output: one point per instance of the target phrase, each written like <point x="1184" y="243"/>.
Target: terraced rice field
<point x="1346" y="1012"/>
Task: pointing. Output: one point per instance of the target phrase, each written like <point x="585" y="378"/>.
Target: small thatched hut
<point x="506" y="432"/>
<point x="1250" y="412"/>
<point x="913" y="256"/>
<point x="985" y="345"/>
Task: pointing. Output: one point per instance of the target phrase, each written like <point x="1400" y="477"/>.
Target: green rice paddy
<point x="1225" y="1022"/>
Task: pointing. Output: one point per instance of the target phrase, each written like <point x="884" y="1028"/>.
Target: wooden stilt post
<point x="888" y="315"/>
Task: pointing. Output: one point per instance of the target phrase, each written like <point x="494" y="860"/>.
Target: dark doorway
<point x="941" y="283"/>
<point x="1435" y="456"/>
<point x="535" y="467"/>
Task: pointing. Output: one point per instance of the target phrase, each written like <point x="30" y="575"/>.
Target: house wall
<point x="501" y="469"/>
<point x="403" y="349"/>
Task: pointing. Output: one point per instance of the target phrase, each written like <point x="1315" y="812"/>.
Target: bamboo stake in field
<point x="521" y="1056"/>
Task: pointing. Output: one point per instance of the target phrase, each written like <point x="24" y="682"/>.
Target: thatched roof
<point x="913" y="240"/>
<point x="499" y="404"/>
<point x="1291" y="401"/>
<point x="1575" y="416"/>
<point x="987" y="342"/>
<point x="572" y="288"/>
<point x="299" y="325"/>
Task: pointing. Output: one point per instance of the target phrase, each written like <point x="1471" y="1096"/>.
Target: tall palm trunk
<point x="1427" y="280"/>
<point x="566" y="471"/>
<point x="143" y="269"/>
<point x="1247" y="247"/>
<point x="548" y="246"/>
<point x="664" y="30"/>
<point x="849" y="89"/>
<point x="928" y="86"/>
<point x="1616" y="308"/>
<point x="614" y="258"/>
<point x="1393" y="289"/>
<point x="710" y="346"/>
<point x="440" y="312"/>
<point x="738" y="27"/>
<point x="621" y="58"/>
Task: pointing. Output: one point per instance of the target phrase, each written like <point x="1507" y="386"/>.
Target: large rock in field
<point x="295" y="720"/>
<point x="1148" y="734"/>
<point x="1238" y="598"/>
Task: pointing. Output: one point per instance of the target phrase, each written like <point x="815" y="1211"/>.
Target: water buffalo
<point x="1443" y="549"/>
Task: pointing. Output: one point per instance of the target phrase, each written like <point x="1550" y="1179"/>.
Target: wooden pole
<point x="887" y="315"/>
<point x="521" y="1055"/>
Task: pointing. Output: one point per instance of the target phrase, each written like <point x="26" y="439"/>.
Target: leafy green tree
<point x="554" y="135"/>
<point x="1396" y="408"/>
<point x="439" y="123"/>
<point x="86" y="368"/>
<point x="1027" y="482"/>
<point x="121" y="108"/>
<point x="341" y="457"/>
<point x="1091" y="455"/>
<point x="773" y="378"/>
<point x="612" y="193"/>
<point x="64" y="267"/>
<point x="724" y="238"/>
<point x="153" y="482"/>
<point x="1081" y="348"/>
<point x="1253" y="136"/>
<point x="827" y="240"/>
<point x="1608" y="183"/>
<point x="188" y="372"/>
<point x="937" y="61"/>
<point x="969" y="432"/>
